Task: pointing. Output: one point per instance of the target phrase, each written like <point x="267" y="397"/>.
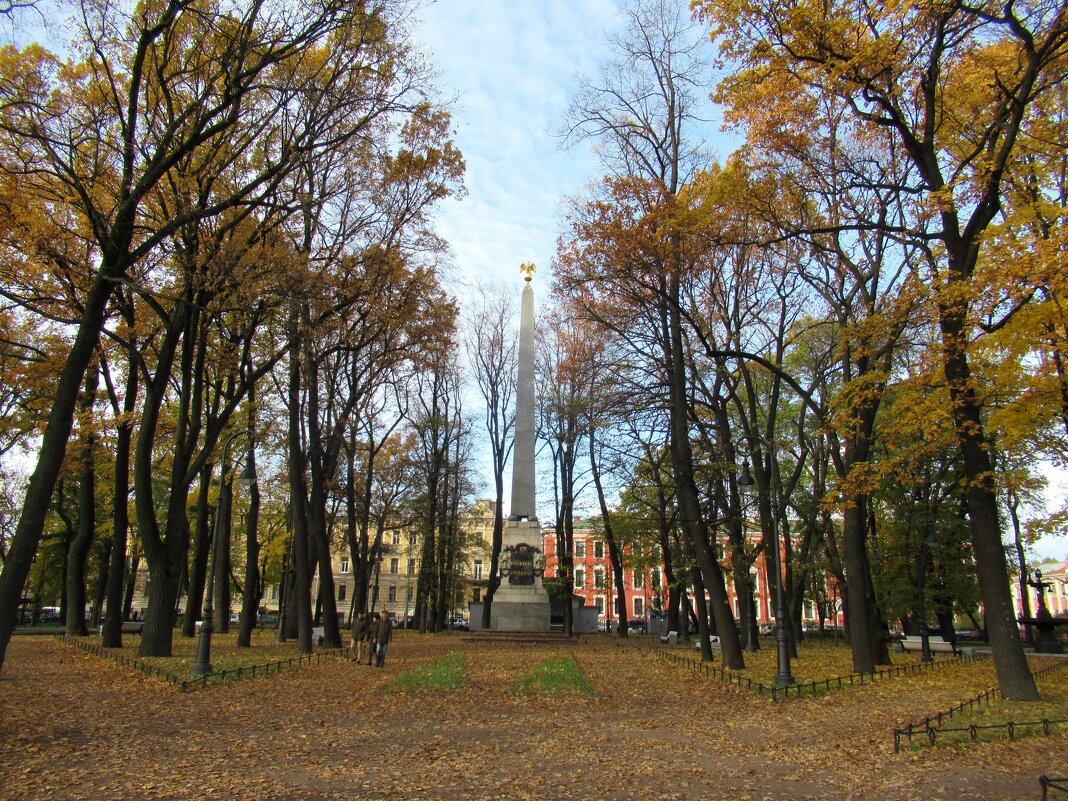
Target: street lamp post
<point x="783" y="676"/>
<point x="202" y="667"/>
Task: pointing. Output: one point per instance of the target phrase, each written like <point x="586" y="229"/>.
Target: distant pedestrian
<point x="359" y="637"/>
<point x="385" y="634"/>
<point x="372" y="638"/>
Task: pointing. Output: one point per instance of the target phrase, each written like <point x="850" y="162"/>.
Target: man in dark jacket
<point x="383" y="636"/>
<point x="359" y="637"/>
<point x="372" y="638"/>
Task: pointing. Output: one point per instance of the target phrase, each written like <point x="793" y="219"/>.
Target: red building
<point x="645" y="590"/>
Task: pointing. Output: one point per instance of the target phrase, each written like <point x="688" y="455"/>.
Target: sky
<point x="512" y="68"/>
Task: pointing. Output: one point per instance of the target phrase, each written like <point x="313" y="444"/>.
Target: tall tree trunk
<point x="299" y="601"/>
<point x="198" y="568"/>
<point x="691" y="520"/>
<point x="116" y="609"/>
<point x="131" y="584"/>
<point x="78" y="553"/>
<point x="221" y="550"/>
<point x="615" y="556"/>
<point x="1014" y="674"/>
<point x="252" y="591"/>
<point x="23" y="546"/>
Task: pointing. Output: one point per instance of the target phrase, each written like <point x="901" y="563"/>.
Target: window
<point x="392" y="593"/>
<point x="639" y="606"/>
<point x="412" y="538"/>
<point x="477" y="595"/>
<point x="656" y="579"/>
<point x="598" y="579"/>
<point x="341" y="592"/>
<point x="580" y="579"/>
<point x="396" y="538"/>
<point x="411" y="566"/>
<point x="598" y="550"/>
<point x="408" y="595"/>
<point x="639" y="580"/>
<point x="599" y="602"/>
<point x="754" y="579"/>
<point x="394" y="565"/>
<point x="580" y="549"/>
<point x="344" y="564"/>
<point x="476" y="571"/>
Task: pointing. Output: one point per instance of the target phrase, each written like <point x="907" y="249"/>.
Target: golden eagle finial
<point x="528" y="269"/>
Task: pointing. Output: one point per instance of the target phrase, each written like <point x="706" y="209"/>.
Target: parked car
<point x="460" y="624"/>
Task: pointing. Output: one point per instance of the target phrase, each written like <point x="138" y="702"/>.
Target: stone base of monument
<point x="520" y="616"/>
<point x="521" y="603"/>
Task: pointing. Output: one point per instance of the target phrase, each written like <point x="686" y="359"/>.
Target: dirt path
<point x="73" y="726"/>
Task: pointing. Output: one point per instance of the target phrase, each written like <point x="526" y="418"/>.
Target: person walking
<point x="384" y="635"/>
<point x="372" y="638"/>
<point x="359" y="637"/>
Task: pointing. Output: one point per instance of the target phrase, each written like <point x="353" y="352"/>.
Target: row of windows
<point x="638" y="606"/>
<point x="637" y="579"/>
<point x="391" y="593"/>
<point x="394" y="566"/>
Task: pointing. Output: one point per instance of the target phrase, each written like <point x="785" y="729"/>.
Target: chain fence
<point x="931" y="726"/>
<point x="216" y="677"/>
<point x="1047" y="784"/>
<point x="823" y="685"/>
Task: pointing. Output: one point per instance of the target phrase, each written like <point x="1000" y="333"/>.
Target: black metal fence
<point x="1052" y="784"/>
<point x="823" y="685"/>
<point x="185" y="685"/>
<point x="931" y="726"/>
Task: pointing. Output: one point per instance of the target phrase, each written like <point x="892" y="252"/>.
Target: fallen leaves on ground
<point x="75" y="726"/>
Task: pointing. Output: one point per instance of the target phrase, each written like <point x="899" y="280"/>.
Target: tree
<point x="492" y="350"/>
<point x="95" y="138"/>
<point x="952" y="88"/>
<point x="642" y="111"/>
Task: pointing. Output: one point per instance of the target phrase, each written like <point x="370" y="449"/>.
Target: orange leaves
<point x="74" y="727"/>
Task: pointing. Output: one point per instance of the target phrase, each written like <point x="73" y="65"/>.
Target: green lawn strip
<point x="442" y="674"/>
<point x="559" y="674"/>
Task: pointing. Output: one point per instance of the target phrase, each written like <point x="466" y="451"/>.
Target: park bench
<point x="937" y="643"/>
<point x="128" y="627"/>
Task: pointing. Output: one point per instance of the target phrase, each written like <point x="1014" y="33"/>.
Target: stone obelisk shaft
<point x="523" y="452"/>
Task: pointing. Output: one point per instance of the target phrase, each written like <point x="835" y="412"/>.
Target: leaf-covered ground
<point x="74" y="726"/>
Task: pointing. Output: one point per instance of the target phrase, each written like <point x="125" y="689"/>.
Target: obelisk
<point x="521" y="603"/>
<point x="522" y="507"/>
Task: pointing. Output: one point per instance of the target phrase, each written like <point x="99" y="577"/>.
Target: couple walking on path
<point x="374" y="632"/>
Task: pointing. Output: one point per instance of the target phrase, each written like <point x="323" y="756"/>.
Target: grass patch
<point x="446" y="673"/>
<point x="816" y="660"/>
<point x="990" y="720"/>
<point x="559" y="674"/>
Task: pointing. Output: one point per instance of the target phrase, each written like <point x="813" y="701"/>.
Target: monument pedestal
<point x="521" y="602"/>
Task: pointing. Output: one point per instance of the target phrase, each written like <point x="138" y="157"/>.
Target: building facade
<point x="645" y="593"/>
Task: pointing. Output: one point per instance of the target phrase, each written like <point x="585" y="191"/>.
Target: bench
<point x="128" y="627"/>
<point x="937" y="643"/>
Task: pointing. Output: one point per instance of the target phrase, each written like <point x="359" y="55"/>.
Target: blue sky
<point x="512" y="68"/>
